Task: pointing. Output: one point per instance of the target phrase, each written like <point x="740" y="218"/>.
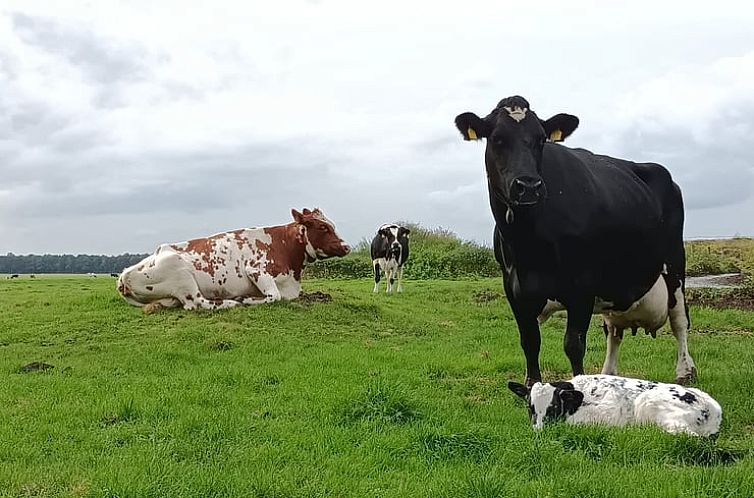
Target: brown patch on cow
<point x="286" y="252"/>
<point x="238" y="235"/>
<point x="149" y="288"/>
<point x="204" y="250"/>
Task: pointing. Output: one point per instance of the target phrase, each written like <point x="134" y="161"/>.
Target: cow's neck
<point x="292" y="253"/>
<point x="518" y="230"/>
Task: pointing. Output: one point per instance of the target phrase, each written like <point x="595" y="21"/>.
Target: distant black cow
<point x="389" y="253"/>
<point x="581" y="232"/>
<point x="116" y="275"/>
<point x="15" y="275"/>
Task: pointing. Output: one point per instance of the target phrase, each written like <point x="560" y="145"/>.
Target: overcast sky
<point x="128" y="124"/>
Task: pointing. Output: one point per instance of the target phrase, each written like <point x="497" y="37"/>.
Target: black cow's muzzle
<point x="527" y="191"/>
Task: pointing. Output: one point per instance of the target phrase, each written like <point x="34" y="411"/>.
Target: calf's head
<point x="515" y="140"/>
<point x="549" y="402"/>
<point x="395" y="237"/>
<point x="320" y="233"/>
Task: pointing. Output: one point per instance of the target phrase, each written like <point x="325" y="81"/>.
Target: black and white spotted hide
<point x="389" y="253"/>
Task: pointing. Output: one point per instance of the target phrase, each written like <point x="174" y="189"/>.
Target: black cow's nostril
<point x="526" y="190"/>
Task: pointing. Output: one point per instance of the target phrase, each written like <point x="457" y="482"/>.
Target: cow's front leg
<point x="266" y="285"/>
<point x="376" y="265"/>
<point x="390" y="277"/>
<point x="526" y="313"/>
<point x="400" y="280"/>
<point x="577" y="325"/>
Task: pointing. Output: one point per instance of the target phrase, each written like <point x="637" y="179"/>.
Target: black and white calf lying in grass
<point x="619" y="401"/>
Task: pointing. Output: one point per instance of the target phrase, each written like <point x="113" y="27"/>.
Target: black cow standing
<point x="389" y="253"/>
<point x="581" y="232"/>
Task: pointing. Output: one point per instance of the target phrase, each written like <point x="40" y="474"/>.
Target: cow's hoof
<point x="687" y="379"/>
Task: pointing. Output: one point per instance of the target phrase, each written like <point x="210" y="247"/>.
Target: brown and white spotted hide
<point x="245" y="266"/>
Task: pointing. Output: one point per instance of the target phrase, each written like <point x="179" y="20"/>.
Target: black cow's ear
<point x="471" y="126"/>
<point x="560" y="126"/>
<point x="571" y="399"/>
<point x="518" y="389"/>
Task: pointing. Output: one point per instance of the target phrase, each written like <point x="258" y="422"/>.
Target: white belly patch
<point x="649" y="312"/>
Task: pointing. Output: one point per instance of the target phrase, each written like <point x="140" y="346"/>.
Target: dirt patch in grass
<point x="721" y="298"/>
<point x="35" y="366"/>
<point x="314" y="297"/>
<point x="485" y="296"/>
<point x="127" y="412"/>
<point x="221" y="346"/>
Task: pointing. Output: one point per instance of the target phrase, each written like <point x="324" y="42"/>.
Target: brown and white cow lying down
<point x="245" y="266"/>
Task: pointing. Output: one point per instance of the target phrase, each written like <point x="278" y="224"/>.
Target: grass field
<point x="365" y="396"/>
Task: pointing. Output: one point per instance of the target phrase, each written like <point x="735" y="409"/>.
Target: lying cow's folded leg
<point x="266" y="285"/>
<point x="250" y="300"/>
<point x="210" y="304"/>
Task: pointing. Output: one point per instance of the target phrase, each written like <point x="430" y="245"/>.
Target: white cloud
<point x="150" y="121"/>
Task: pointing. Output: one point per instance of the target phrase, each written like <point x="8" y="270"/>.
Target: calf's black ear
<point x="472" y="127"/>
<point x="558" y="127"/>
<point x="571" y="399"/>
<point x="518" y="389"/>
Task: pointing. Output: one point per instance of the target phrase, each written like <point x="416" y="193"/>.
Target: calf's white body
<point x="620" y="401"/>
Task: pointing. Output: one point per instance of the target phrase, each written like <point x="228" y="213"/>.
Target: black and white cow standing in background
<point x="581" y="232"/>
<point x="389" y="253"/>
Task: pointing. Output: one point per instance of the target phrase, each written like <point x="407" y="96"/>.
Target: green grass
<point x="387" y="395"/>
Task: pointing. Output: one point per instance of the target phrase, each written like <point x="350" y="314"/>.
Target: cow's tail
<point x="676" y="252"/>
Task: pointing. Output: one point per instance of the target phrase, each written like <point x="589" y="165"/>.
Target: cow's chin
<point x="339" y="253"/>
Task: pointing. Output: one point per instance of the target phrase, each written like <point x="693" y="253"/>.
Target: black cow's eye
<point x="497" y="140"/>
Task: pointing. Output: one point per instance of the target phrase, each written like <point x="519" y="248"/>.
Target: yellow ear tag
<point x="556" y="136"/>
<point x="471" y="133"/>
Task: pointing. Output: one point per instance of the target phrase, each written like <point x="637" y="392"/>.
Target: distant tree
<point x="67" y="263"/>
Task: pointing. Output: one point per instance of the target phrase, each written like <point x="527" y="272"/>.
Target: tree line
<point x="67" y="263"/>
